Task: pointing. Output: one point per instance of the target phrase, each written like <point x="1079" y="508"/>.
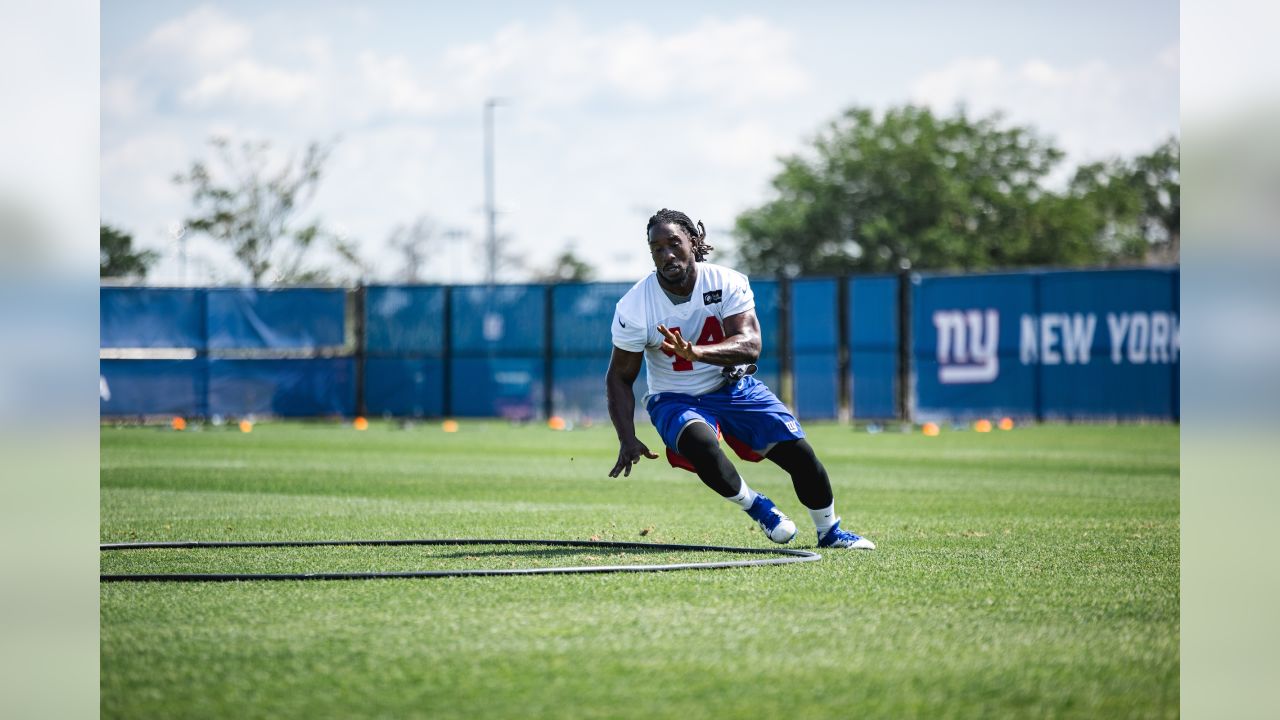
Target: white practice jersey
<point x="718" y="294"/>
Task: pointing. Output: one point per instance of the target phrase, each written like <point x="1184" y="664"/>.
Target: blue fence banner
<point x="1054" y="345"/>
<point x="1106" y="344"/>
<point x="872" y="316"/>
<point x="291" y="319"/>
<point x="815" y="348"/>
<point x="508" y="387"/>
<point x="153" y="387"/>
<point x="769" y="313"/>
<point x="582" y="344"/>
<point x="151" y="318"/>
<point x="578" y="389"/>
<point x="500" y="320"/>
<point x="1057" y="345"/>
<point x="964" y="332"/>
<point x="300" y="388"/>
<point x="404" y="387"/>
<point x="405" y="320"/>
<point x="581" y="314"/>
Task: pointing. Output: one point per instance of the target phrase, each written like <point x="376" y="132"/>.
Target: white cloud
<point x="750" y="145"/>
<point x="563" y="63"/>
<point x="247" y="82"/>
<point x="1092" y="109"/>
<point x="741" y="61"/>
<point x="204" y="36"/>
<point x="381" y="177"/>
<point x="206" y="60"/>
<point x="317" y="49"/>
<point x="390" y="83"/>
<point x="137" y="175"/>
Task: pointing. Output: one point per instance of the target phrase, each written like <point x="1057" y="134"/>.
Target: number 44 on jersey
<point x="712" y="333"/>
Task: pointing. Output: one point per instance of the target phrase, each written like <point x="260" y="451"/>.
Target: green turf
<point x="1031" y="573"/>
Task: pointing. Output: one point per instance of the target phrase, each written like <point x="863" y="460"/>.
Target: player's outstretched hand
<point x="675" y="343"/>
<point x="630" y="454"/>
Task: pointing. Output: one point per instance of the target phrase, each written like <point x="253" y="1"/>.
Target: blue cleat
<point x="837" y="538"/>
<point x="776" y="526"/>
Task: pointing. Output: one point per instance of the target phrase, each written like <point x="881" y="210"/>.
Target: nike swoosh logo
<point x="621" y="323"/>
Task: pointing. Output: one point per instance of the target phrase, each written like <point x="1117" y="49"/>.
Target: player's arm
<point x="741" y="344"/>
<point x="624" y="367"/>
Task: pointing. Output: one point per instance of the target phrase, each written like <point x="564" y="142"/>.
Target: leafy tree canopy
<point x="118" y="258"/>
<point x="254" y="206"/>
<point x="911" y="189"/>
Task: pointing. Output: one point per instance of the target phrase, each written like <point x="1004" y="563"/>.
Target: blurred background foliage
<point x="912" y="189"/>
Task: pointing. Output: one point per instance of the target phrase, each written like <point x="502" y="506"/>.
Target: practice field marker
<point x="787" y="556"/>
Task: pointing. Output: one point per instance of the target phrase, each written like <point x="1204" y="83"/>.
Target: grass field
<point x="1031" y="573"/>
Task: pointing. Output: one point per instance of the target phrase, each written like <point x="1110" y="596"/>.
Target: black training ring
<point x="788" y="556"/>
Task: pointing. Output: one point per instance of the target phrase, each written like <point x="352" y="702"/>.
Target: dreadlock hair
<point x="697" y="233"/>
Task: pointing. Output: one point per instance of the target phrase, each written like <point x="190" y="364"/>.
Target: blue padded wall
<point x="290" y="319"/>
<point x="154" y="387"/>
<point x="311" y="387"/>
<point x="873" y="346"/>
<point x="151" y="318"/>
<point x="404" y="320"/>
<point x="814" y="342"/>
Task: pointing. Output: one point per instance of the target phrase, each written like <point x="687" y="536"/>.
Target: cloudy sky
<point x="611" y="111"/>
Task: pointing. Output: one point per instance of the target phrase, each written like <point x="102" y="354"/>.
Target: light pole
<point x="491" y="213"/>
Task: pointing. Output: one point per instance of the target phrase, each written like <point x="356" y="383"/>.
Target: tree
<point x="567" y="267"/>
<point x="1158" y="179"/>
<point x="914" y="190"/>
<point x="1107" y="210"/>
<point x="118" y="259"/>
<point x="1131" y="208"/>
<point x="254" y="206"/>
<point x="413" y="243"/>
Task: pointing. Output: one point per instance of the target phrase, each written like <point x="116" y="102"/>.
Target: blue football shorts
<point x="748" y="414"/>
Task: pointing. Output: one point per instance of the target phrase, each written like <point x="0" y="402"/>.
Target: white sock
<point x="745" y="496"/>
<point x="824" y="518"/>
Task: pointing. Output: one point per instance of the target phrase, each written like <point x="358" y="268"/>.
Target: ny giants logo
<point x="968" y="341"/>
<point x="967" y="344"/>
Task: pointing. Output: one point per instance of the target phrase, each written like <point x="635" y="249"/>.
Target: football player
<point x="694" y="323"/>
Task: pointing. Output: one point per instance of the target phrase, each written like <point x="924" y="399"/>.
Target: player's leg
<point x="751" y="412"/>
<point x="688" y="427"/>
<point x="813" y="487"/>
<point x="698" y="443"/>
<point x="808" y="476"/>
